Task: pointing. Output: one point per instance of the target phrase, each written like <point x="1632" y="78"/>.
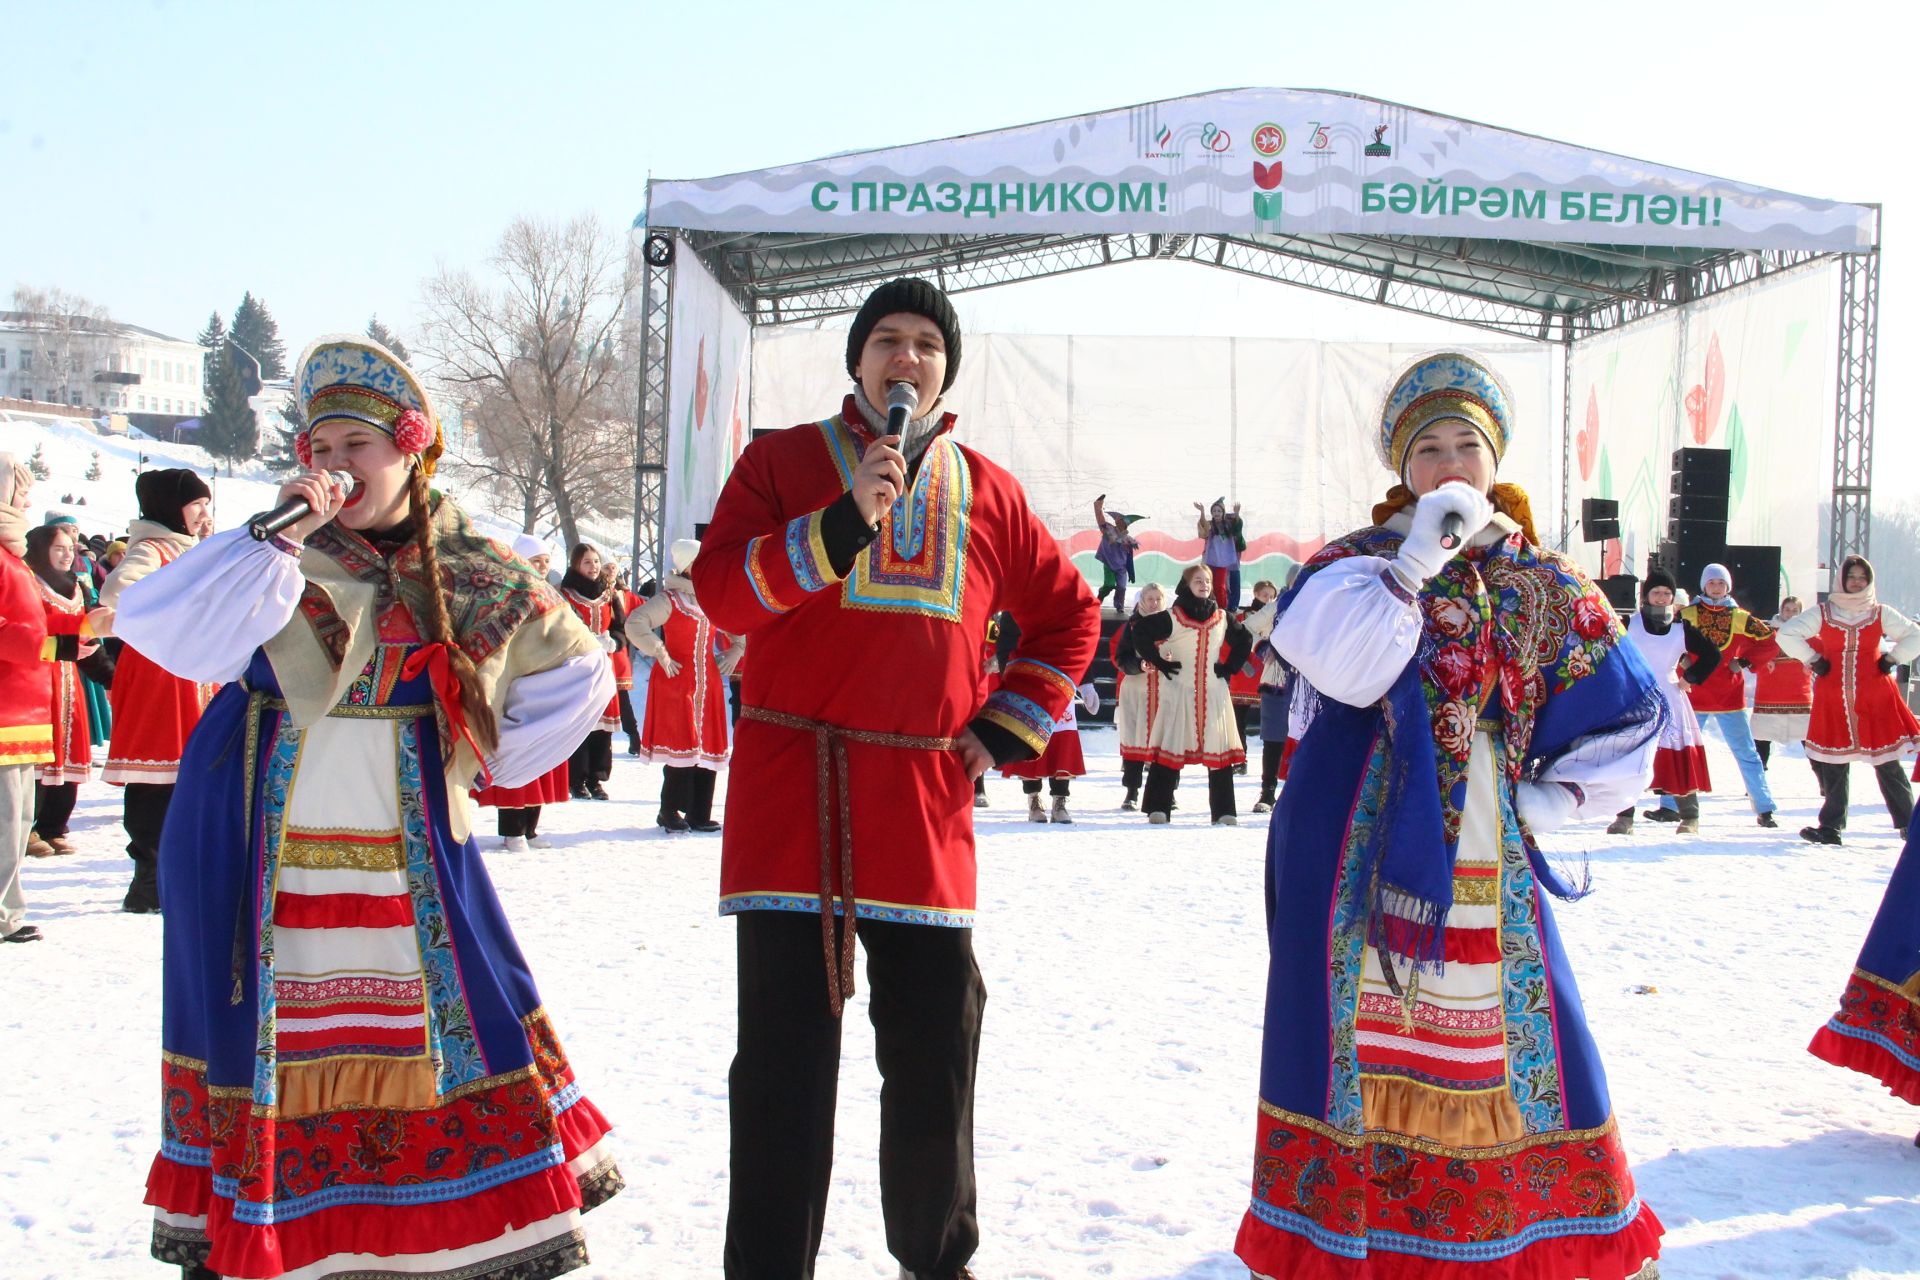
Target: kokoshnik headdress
<point x="1447" y="385"/>
<point x="343" y="376"/>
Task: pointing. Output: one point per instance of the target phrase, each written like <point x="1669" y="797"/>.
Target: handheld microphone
<point x="1452" y="530"/>
<point x="290" y="512"/>
<point x="902" y="400"/>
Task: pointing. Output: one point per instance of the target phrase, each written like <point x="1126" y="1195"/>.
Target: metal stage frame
<point x="1550" y="293"/>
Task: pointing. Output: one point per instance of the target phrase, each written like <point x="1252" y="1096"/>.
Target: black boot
<point x="143" y="895"/>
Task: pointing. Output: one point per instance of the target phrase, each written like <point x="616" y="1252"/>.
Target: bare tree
<point x="71" y="339"/>
<point x="534" y="354"/>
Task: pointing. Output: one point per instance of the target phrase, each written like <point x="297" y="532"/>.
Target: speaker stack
<point x="1697" y="533"/>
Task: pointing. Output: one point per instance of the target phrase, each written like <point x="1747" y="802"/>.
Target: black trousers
<point x="1765" y="749"/>
<point x="1055" y="786"/>
<point x="524" y="821"/>
<point x="1162" y="779"/>
<point x="1834" y="785"/>
<point x="53" y="807"/>
<point x="926" y="999"/>
<point x="1270" y="755"/>
<point x="144" y="814"/>
<point x="592" y="760"/>
<point x="1131" y="771"/>
<point x="628" y="725"/>
<point x="688" y="792"/>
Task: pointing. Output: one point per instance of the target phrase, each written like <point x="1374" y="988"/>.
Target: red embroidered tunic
<point x="1740" y="636"/>
<point x="686" y="713"/>
<point x="598" y="615"/>
<point x="72" y="736"/>
<point x="26" y="736"/>
<point x="893" y="647"/>
<point x="1857" y="710"/>
<point x="154" y="711"/>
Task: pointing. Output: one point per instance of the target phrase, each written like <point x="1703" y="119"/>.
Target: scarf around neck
<point x="1852" y="606"/>
<point x="918" y="435"/>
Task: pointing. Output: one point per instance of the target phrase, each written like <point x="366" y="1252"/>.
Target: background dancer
<point x="1274" y="737"/>
<point x="686" y="728"/>
<point x="1194" y="646"/>
<point x="1680" y="658"/>
<point x="358" y="1072"/>
<point x="600" y="608"/>
<point x="841" y="552"/>
<point x="1137" y="697"/>
<point x="518" y="820"/>
<point x="51" y="556"/>
<point x="1115" y="553"/>
<point x="1782" y="693"/>
<point x="1720" y="700"/>
<point x="1425" y="1054"/>
<point x="26" y="727"/>
<point x="1063" y="760"/>
<point x="1224" y="536"/>
<point x="1858" y="714"/>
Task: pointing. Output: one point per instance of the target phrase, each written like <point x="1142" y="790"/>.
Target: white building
<point x="111" y="367"/>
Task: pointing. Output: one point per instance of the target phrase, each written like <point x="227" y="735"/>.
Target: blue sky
<point x="161" y="158"/>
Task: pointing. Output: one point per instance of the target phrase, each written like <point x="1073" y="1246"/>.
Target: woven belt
<point x="830" y="773"/>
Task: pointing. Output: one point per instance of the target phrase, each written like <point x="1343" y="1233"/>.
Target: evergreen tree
<point x="257" y="334"/>
<point x="279" y="455"/>
<point x="228" y="428"/>
<point x="37" y="464"/>
<point x="93" y="470"/>
<point x="387" y="338"/>
<point x="213" y="340"/>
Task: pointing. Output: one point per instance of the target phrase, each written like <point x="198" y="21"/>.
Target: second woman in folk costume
<point x="1194" y="646"/>
<point x="1063" y="760"/>
<point x="359" y="1076"/>
<point x="686" y="720"/>
<point x="605" y="615"/>
<point x="1137" y="699"/>
<point x="1782" y="693"/>
<point x="50" y="554"/>
<point x="1859" y="716"/>
<point x="519" y="807"/>
<point x="1431" y="1101"/>
<point x="153" y="709"/>
<point x="1680" y="657"/>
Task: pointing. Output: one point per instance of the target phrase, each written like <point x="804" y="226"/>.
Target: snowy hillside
<point x="1121" y="1054"/>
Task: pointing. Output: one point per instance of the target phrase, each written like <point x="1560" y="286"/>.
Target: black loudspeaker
<point x="1622" y="591"/>
<point x="1698" y="533"/>
<point x="1599" y="519"/>
<point x="700" y="530"/>
<point x="1685" y="562"/>
<point x="1697" y="506"/>
<point x="1702" y="471"/>
<point x="1756" y="578"/>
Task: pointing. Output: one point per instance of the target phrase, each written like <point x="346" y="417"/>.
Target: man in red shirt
<point x="865" y="567"/>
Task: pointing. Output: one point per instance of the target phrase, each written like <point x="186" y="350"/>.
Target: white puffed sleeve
<point x="547" y="715"/>
<point x="1351" y="630"/>
<point x="1796" y="635"/>
<point x="642" y="622"/>
<point x="1898" y="628"/>
<point x="1600" y="775"/>
<point x="202" y="616"/>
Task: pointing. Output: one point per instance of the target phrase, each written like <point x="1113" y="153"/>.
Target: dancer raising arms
<point x="359" y="1076"/>
<point x="1425" y="1052"/>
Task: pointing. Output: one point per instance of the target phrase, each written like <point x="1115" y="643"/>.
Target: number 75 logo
<point x="1320" y="142"/>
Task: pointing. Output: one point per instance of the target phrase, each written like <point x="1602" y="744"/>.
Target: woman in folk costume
<point x="630" y="601"/>
<point x="1136" y="695"/>
<point x="1273" y="678"/>
<point x="606" y="617"/>
<point x="1858" y="713"/>
<point x="1062" y="761"/>
<point x="153" y="710"/>
<point x="1782" y="694"/>
<point x="358" y="1074"/>
<point x="50" y="554"/>
<point x="1223" y="537"/>
<point x="1115" y="552"/>
<point x="686" y="724"/>
<point x="1680" y="657"/>
<point x="519" y="807"/>
<point x="1431" y="1102"/>
<point x="1194" y="646"/>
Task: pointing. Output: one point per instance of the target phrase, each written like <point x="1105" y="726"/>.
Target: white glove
<point x="669" y="666"/>
<point x="1544" y="806"/>
<point x="1090" y="698"/>
<point x="1421" y="555"/>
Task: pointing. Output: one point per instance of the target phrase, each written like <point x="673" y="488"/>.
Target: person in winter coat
<point x="1137" y="696"/>
<point x="519" y="807"/>
<point x="686" y="725"/>
<point x="51" y="556"/>
<point x="1680" y="657"/>
<point x="601" y="609"/>
<point x="359" y="1076"/>
<point x="1194" y="646"/>
<point x="1851" y="645"/>
<point x="26" y="722"/>
<point x="1782" y="694"/>
<point x="1431" y="1098"/>
<point x="1223" y="534"/>
<point x="1115" y="552"/>
<point x="154" y="710"/>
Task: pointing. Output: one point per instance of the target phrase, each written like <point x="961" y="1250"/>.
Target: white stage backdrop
<point x="708" y="384"/>
<point x="1284" y="427"/>
<point x="1751" y="372"/>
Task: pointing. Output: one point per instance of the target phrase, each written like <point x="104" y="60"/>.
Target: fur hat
<point x="913" y="297"/>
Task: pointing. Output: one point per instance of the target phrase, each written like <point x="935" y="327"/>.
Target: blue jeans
<point x="1738" y="735"/>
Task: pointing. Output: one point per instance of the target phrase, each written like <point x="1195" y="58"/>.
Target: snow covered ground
<point x="1117" y="1087"/>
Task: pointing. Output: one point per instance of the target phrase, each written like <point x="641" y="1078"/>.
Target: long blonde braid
<point x="480" y="718"/>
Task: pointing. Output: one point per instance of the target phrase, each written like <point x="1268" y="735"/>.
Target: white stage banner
<point x="1249" y="161"/>
<point x="1750" y="371"/>
<point x="708" y="385"/>
<point x="1284" y="427"/>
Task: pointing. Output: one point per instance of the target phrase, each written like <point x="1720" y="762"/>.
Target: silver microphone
<point x="902" y="400"/>
<point x="292" y="511"/>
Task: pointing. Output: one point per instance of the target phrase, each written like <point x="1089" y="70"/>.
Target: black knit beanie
<point x="1657" y="578"/>
<point x="914" y="297"/>
<point x="165" y="494"/>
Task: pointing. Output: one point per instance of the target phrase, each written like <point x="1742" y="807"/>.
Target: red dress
<point x="1740" y="635"/>
<point x="891" y="652"/>
<point x="1858" y="714"/>
<point x="1062" y="758"/>
<point x="549" y="788"/>
<point x="686" y="721"/>
<point x="1782" y="700"/>
<point x="154" y="711"/>
<point x="598" y="615"/>
<point x="72" y="736"/>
